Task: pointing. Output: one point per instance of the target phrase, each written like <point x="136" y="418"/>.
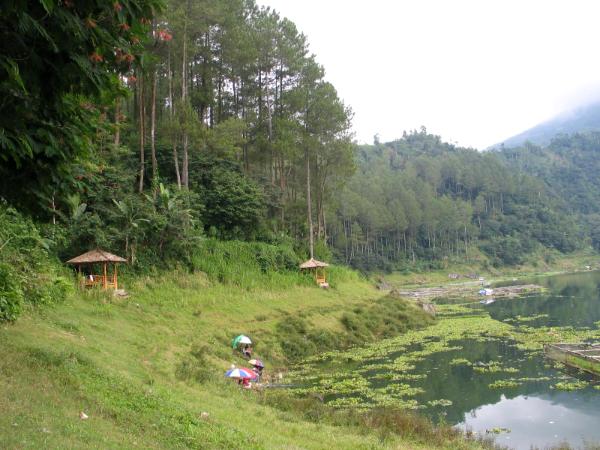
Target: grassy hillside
<point x="145" y="368"/>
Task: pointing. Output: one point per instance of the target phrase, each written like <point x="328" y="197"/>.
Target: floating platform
<point x="585" y="357"/>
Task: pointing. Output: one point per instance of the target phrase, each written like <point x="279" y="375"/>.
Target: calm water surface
<point x="535" y="414"/>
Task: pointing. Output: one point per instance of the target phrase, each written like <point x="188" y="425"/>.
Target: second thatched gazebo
<point x="103" y="258"/>
<point x="318" y="267"/>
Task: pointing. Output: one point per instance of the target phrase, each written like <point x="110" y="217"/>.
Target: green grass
<point x="145" y="368"/>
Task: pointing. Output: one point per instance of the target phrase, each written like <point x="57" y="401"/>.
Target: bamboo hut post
<point x="104" y="278"/>
<point x="115" y="276"/>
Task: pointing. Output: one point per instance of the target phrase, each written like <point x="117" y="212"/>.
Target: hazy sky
<point x="473" y="71"/>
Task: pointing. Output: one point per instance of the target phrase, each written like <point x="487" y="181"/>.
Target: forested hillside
<point x="145" y="128"/>
<point x="580" y="120"/>
<point x="160" y="124"/>
<point x="419" y="201"/>
<point x="569" y="168"/>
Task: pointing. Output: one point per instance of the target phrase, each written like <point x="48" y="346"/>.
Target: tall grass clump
<point x="28" y="275"/>
<point x="385" y="422"/>
<point x="383" y="318"/>
<point x="387" y="317"/>
<point x="249" y="264"/>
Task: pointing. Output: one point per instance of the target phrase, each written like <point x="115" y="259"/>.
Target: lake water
<point x="535" y="414"/>
<point x="531" y="414"/>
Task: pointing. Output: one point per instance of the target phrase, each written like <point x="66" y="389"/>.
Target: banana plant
<point x="130" y="223"/>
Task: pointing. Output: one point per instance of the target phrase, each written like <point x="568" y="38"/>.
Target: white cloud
<point x="473" y="71"/>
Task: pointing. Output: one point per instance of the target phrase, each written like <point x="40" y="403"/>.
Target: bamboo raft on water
<point x="581" y="356"/>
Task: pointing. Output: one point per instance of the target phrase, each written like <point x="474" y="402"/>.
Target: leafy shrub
<point x="27" y="272"/>
<point x="235" y="204"/>
<point x="387" y="317"/>
<point x="11" y="295"/>
<point x="248" y="264"/>
<point x="195" y="367"/>
<point x="294" y="339"/>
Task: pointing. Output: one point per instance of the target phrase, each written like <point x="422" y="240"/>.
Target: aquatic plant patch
<point x="504" y="384"/>
<point x="391" y="372"/>
<point x="460" y="362"/>
<point x="570" y="386"/>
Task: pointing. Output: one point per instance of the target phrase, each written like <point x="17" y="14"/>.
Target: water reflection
<point x="468" y="388"/>
<point x="535" y="413"/>
<point x="571" y="300"/>
<point x="483" y="384"/>
<point x="539" y="421"/>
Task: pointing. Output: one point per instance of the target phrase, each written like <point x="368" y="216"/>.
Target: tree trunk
<point x="153" y="131"/>
<point x="141" y="130"/>
<point x="184" y="166"/>
<point x="311" y="244"/>
<point x="184" y="175"/>
<point x="172" y="112"/>
<point x="117" y="122"/>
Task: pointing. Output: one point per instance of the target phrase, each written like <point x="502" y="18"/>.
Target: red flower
<point x="124" y="26"/>
<point x="164" y="35"/>
<point x="90" y="23"/>
<point x="132" y="79"/>
<point x="96" y="57"/>
<point x="121" y="56"/>
<point x="117" y="6"/>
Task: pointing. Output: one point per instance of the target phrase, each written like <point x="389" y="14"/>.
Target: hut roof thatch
<point x="313" y="263"/>
<point x="96" y="256"/>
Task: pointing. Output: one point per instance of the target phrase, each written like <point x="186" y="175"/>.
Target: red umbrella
<point x="242" y="373"/>
<point x="252" y="374"/>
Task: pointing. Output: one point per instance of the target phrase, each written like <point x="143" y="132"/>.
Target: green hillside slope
<point x="146" y="368"/>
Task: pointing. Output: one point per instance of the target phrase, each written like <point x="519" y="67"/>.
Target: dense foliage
<point x="202" y="119"/>
<point x="568" y="168"/>
<point x="151" y="132"/>
<point x="27" y="271"/>
<point x="59" y="63"/>
<point x="419" y="199"/>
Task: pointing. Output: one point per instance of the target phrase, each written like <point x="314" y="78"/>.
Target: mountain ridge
<point x="581" y="119"/>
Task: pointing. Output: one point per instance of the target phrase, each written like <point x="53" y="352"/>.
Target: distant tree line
<point x="419" y="200"/>
<point x="143" y="127"/>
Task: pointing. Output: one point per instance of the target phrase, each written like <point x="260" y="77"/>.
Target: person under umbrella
<point x="257" y="367"/>
<point x="241" y="339"/>
<point x="243" y="376"/>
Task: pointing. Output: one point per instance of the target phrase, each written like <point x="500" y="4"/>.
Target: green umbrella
<point x="241" y="339"/>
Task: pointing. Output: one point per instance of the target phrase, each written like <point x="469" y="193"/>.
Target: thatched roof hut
<point x="318" y="267"/>
<point x="98" y="256"/>
<point x="313" y="264"/>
